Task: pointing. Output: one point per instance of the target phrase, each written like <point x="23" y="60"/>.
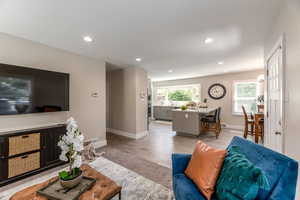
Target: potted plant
<point x="260" y="99"/>
<point x="260" y="103"/>
<point x="71" y="145"/>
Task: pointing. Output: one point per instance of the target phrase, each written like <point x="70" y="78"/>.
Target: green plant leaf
<point x="63" y="175"/>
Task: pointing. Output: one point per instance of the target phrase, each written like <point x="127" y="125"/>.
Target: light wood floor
<point x="161" y="142"/>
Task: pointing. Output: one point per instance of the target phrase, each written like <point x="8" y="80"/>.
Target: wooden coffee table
<point x="104" y="188"/>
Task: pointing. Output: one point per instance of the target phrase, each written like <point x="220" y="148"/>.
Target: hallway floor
<point x="161" y="142"/>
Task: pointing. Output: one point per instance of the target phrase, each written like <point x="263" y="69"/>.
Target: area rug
<point x="150" y="170"/>
<point x="134" y="186"/>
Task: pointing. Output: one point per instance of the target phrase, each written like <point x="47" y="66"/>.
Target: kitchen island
<point x="163" y="112"/>
<point x="187" y="122"/>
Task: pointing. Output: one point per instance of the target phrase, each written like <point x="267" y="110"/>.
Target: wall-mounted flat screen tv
<point x="26" y="90"/>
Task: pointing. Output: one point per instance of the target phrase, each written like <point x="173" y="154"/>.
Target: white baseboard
<point x="97" y="143"/>
<point x="100" y="143"/>
<point x="135" y="136"/>
<point x="141" y="134"/>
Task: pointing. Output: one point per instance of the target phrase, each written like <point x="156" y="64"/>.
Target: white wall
<point x="122" y="100"/>
<point x="127" y="110"/>
<point x="141" y="103"/>
<point x="288" y="24"/>
<point x="86" y="76"/>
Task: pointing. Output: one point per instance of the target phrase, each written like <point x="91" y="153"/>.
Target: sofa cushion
<point x="204" y="167"/>
<point x="239" y="178"/>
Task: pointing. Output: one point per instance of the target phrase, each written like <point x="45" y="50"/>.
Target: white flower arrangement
<point x="71" y="145"/>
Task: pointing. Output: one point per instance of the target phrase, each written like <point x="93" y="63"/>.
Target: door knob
<point x="277" y="133"/>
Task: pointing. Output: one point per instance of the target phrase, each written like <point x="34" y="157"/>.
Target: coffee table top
<point x="104" y="188"/>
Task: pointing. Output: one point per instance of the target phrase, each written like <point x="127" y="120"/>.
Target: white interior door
<point x="275" y="113"/>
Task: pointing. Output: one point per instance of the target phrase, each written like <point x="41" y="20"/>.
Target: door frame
<point x="281" y="43"/>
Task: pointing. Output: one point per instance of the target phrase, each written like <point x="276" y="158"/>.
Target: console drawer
<point x="22" y="164"/>
<point x="23" y="143"/>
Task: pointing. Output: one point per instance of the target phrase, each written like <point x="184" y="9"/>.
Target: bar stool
<point x="212" y="122"/>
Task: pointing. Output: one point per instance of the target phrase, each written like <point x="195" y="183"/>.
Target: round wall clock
<point x="217" y="91"/>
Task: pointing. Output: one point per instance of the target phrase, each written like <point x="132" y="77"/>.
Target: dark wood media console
<point x="28" y="152"/>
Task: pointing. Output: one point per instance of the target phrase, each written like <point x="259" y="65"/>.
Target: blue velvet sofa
<point x="280" y="170"/>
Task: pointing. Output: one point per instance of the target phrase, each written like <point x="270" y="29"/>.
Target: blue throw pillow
<point x="239" y="178"/>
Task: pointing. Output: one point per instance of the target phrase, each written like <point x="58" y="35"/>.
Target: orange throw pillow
<point x="204" y="167"/>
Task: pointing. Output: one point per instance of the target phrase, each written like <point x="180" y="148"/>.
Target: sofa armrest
<point x="180" y="163"/>
<point x="286" y="186"/>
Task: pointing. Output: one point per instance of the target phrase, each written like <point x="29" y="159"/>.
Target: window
<point x="244" y="94"/>
<point x="180" y="95"/>
<point x="176" y="95"/>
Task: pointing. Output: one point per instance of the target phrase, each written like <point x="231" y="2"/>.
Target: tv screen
<point x="26" y="90"/>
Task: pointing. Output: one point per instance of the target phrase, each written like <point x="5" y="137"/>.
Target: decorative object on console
<point x="210" y="161"/>
<point x="217" y="91"/>
<point x="71" y="145"/>
<point x="89" y="152"/>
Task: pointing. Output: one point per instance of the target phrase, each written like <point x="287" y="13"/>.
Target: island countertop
<point x="199" y="110"/>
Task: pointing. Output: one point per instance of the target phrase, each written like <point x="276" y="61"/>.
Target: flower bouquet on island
<point x="71" y="145"/>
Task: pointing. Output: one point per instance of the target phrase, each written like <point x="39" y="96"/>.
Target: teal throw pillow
<point x="239" y="178"/>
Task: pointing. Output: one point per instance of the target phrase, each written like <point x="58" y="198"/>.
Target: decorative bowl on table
<point x="72" y="182"/>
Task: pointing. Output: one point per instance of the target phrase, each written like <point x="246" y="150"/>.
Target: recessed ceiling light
<point x="170" y="70"/>
<point x="209" y="40"/>
<point x="138" y="59"/>
<point x="221" y="63"/>
<point x="87" y="39"/>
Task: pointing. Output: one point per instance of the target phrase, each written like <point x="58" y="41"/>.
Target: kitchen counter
<point x="163" y="112"/>
<point x="200" y="110"/>
<point x="188" y="122"/>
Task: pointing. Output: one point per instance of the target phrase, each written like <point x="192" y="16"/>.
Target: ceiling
<point x="166" y="34"/>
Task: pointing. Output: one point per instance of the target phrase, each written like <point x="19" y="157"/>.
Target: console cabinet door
<point x="3" y="162"/>
<point x="50" y="149"/>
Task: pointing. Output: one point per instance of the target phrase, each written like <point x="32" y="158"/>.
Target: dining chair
<point x="212" y="122"/>
<point x="259" y="129"/>
<point x="249" y="123"/>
